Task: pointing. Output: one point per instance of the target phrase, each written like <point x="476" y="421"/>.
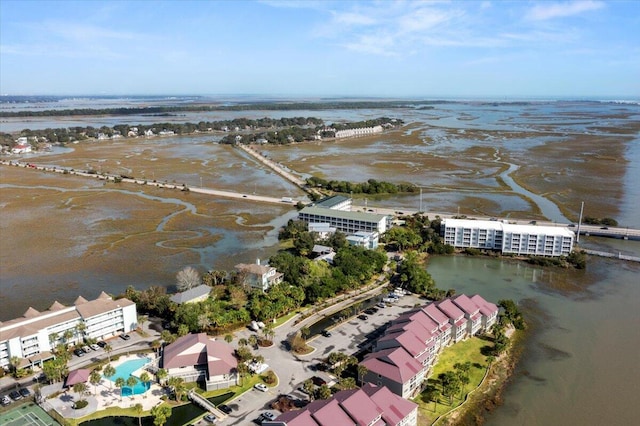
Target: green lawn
<point x="468" y="350"/>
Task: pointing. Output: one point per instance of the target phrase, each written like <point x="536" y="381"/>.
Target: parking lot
<point x="349" y="337"/>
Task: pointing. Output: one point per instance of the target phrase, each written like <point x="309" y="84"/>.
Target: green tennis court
<point x="27" y="415"/>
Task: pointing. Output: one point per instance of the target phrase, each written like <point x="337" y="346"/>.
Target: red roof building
<point x="196" y="357"/>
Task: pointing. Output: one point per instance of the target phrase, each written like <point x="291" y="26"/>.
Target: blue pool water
<point x="125" y="369"/>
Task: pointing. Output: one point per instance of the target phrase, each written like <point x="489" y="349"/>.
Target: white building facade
<point x="508" y="238"/>
<point x="33" y="337"/>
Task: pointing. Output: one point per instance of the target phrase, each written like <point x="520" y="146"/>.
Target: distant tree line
<point x="271" y="106"/>
<point x="597" y="221"/>
<point x="371" y="186"/>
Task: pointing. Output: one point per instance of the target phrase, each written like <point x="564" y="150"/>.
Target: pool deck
<point x="106" y="395"/>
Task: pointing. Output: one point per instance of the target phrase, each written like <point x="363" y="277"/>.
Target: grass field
<point x="468" y="350"/>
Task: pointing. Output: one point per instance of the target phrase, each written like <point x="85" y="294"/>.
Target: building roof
<point x="486" y="308"/>
<point x="395" y="364"/>
<point x="372" y="405"/>
<point x="102" y="305"/>
<point x="359" y="406"/>
<point x="332" y="201"/>
<point x="191" y="294"/>
<point x="449" y="309"/>
<point x="436" y="314"/>
<point x="466" y="304"/>
<point x="394" y="408"/>
<point x="342" y="214"/>
<point x="198" y="349"/>
<point x="253" y="268"/>
<point x="408" y="340"/>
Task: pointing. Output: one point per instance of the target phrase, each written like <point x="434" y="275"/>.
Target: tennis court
<point x="27" y="415"/>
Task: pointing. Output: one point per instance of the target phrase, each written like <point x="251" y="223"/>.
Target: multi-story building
<point x="346" y="221"/>
<point x="370" y="405"/>
<point x="403" y="357"/>
<point x="33" y="337"/>
<point x="508" y="238"/>
<point x="259" y="276"/>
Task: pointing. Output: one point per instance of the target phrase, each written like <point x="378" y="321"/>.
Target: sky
<point x="456" y="49"/>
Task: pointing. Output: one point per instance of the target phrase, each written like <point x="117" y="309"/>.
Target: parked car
<point x="15" y="395"/>
<point x="125" y="336"/>
<point x="318" y="381"/>
<point x="326" y="333"/>
<point x="225" y="408"/>
<point x="369" y="311"/>
<point x="86" y="349"/>
<point x="102" y="343"/>
<point x="78" y="352"/>
<point x="94" y="346"/>
<point x="210" y="418"/>
<point x="381" y="305"/>
<point x="261" y="387"/>
<point x="363" y="317"/>
<point x="5" y="400"/>
<point x="269" y="415"/>
<point x="25" y="392"/>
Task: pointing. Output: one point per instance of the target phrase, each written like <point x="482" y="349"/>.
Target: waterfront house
<point x="199" y="358"/>
<point x="471" y="313"/>
<point x="259" y="276"/>
<point x="396" y="369"/>
<point x="193" y="295"/>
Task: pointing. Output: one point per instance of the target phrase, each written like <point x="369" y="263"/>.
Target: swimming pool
<point x="125" y="369"/>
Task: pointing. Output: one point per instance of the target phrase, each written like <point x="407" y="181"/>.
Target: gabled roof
<point x="198" y="349"/>
<point x="253" y="268"/>
<point x="359" y="406"/>
<point x="450" y="309"/>
<point x="328" y="412"/>
<point x="192" y="293"/>
<point x="394" y="408"/>
<point x="56" y="306"/>
<point x="409" y="341"/>
<point x="101" y="305"/>
<point x="31" y="313"/>
<point x="486" y="308"/>
<point x="466" y="304"/>
<point x="80" y="300"/>
<point x="395" y="364"/>
<point x="436" y="314"/>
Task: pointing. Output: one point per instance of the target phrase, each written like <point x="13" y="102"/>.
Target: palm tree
<point x="228" y="338"/>
<point x="156" y="345"/>
<point x="120" y="384"/>
<point x="80" y="389"/>
<point x="308" y="386"/>
<point x="139" y="409"/>
<point x="94" y="379"/>
<point x="109" y="372"/>
<point x="145" y="378"/>
<point x="161" y="374"/>
<point x="80" y="329"/>
<point x="253" y="341"/>
<point x="15" y="364"/>
<point x="362" y="371"/>
<point x="108" y="349"/>
<point x="243" y="370"/>
<point x="67" y="335"/>
<point x="243" y="342"/>
<point x="142" y="319"/>
<point x="131" y="382"/>
<point x="305" y="332"/>
<point x="53" y="338"/>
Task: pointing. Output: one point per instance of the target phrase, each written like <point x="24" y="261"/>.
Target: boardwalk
<point x="612" y="255"/>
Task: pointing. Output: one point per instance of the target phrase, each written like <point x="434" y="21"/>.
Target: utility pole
<point x="580" y="222"/>
<point x="420" y="211"/>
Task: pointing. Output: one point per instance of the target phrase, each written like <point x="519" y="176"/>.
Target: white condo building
<point x="32" y="337"/>
<point x="508" y="238"/>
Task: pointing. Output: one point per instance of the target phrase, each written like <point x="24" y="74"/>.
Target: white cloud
<point x="544" y="11"/>
<point x="352" y="19"/>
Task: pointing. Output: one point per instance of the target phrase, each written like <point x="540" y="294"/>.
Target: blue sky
<point x="494" y="49"/>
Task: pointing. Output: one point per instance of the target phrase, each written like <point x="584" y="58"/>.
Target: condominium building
<point x="508" y="238"/>
<point x="32" y="337"/>
<point x="346" y="221"/>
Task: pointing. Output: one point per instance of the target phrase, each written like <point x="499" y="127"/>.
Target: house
<point x="324" y="230"/>
<point x="368" y="240"/>
<point x="33" y="337"/>
<point x="199" y="358"/>
<point x="371" y="405"/>
<point x="396" y="369"/>
<point x="325" y="253"/>
<point x="488" y="310"/>
<point x="259" y="276"/>
<point x="193" y="295"/>
<point x="21" y="147"/>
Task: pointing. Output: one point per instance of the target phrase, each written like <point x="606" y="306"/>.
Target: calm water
<point x="580" y="363"/>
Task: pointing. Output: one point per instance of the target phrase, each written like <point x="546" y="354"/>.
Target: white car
<point x="94" y="347"/>
<point x="261" y="387"/>
<point x="269" y="415"/>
